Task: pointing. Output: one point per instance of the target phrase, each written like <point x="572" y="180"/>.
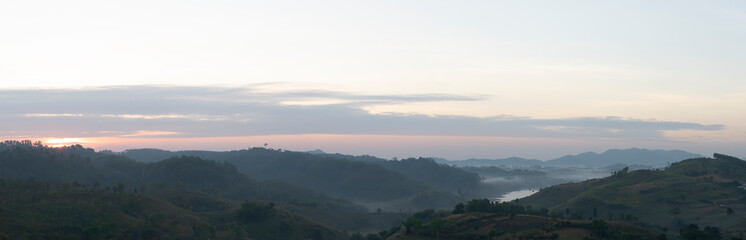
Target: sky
<point x="452" y="79"/>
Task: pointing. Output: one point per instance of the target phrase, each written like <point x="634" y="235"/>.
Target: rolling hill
<point x="412" y="184"/>
<point x="219" y="179"/>
<point x="41" y="210"/>
<point x="482" y="219"/>
<point x="701" y="191"/>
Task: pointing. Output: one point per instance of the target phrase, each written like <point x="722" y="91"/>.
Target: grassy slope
<point x="692" y="191"/>
<point x="490" y="226"/>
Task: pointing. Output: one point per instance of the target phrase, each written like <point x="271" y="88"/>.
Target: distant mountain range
<point x="632" y="156"/>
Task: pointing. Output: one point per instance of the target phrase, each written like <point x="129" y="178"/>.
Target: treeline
<point x="484" y="219"/>
<point x="498" y="208"/>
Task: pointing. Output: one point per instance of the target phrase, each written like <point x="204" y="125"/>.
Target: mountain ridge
<point x="630" y="156"/>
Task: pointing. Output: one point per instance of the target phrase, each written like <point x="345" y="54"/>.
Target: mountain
<point x="632" y="156"/>
<point x="627" y="157"/>
<point x="411" y="184"/>
<point x="698" y="191"/>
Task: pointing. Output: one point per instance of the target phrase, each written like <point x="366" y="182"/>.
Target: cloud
<point x="52" y="115"/>
<point x="142" y="133"/>
<point x="249" y="111"/>
<point x="140" y="116"/>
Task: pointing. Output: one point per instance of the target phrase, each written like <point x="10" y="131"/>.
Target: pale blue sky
<point x="553" y="64"/>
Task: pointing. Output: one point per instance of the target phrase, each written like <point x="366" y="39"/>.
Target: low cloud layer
<point x="160" y="111"/>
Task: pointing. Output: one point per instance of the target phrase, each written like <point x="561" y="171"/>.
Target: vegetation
<point x="23" y="161"/>
<point x="483" y="219"/>
<point x="376" y="183"/>
<point x="34" y="209"/>
<point x="119" y="174"/>
<point x="694" y="192"/>
<point x="77" y="193"/>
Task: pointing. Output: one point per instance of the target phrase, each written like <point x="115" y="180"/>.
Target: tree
<point x="595" y="212"/>
<point x="119" y="188"/>
<point x="459" y="209"/>
<point x="372" y="236"/>
<point x="437" y="226"/>
<point x="254" y="211"/>
<point x="479" y="205"/>
<point x="599" y="228"/>
<point x="411" y="224"/>
<point x="357" y="236"/>
<point x="692" y="232"/>
<point x="713" y="233"/>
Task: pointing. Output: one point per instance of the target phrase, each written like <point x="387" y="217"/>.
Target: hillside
<point x="701" y="191"/>
<point x="482" y="219"/>
<point x="428" y="170"/>
<point x="219" y="179"/>
<point x="390" y="185"/>
<point x="190" y="173"/>
<point x="41" y="210"/>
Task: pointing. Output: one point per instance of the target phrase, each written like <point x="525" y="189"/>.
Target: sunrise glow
<point x="436" y="78"/>
<point x="62" y="142"/>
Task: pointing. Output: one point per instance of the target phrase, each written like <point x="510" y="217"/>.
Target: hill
<point x="220" y="179"/>
<point x="411" y="184"/>
<point x="700" y="191"/>
<point x="632" y="156"/>
<point x="22" y="161"/>
<point x="432" y="171"/>
<point x="40" y="210"/>
<point x="482" y="219"/>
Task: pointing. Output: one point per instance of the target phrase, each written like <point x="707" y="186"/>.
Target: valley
<point x="262" y="193"/>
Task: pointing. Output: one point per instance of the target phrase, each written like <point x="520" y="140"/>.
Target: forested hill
<point x="22" y="161"/>
<point x="103" y="171"/>
<point x="699" y="191"/>
<point x="41" y="210"/>
<point x="55" y="193"/>
<point x="427" y="170"/>
<point x="405" y="184"/>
